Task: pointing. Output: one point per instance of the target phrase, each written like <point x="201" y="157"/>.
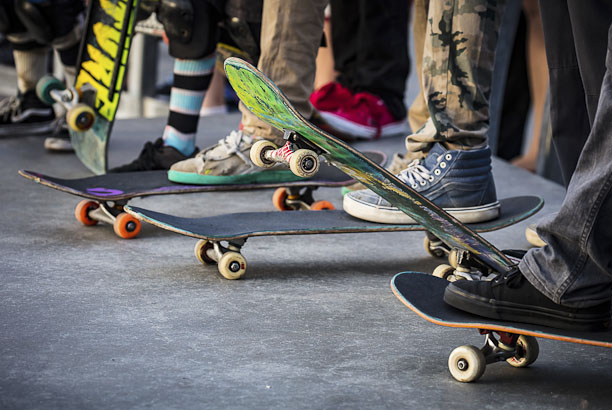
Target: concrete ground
<point x="88" y="320"/>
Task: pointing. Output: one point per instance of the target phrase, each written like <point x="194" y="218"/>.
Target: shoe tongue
<point x="431" y="160"/>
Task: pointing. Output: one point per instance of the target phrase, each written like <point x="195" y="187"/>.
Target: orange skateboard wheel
<point x="279" y="198"/>
<point x="81" y="212"/>
<point x="322" y="206"/>
<point x="126" y="226"/>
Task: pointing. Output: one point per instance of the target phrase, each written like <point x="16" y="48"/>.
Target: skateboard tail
<point x="268" y="103"/>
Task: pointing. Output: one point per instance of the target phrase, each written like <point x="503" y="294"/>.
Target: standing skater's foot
<point x="460" y="182"/>
<point x="25" y="114"/>
<point x="228" y="162"/>
<point x="512" y="297"/>
<point x="155" y="156"/>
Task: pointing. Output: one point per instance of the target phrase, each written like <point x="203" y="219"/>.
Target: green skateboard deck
<point x="266" y="101"/>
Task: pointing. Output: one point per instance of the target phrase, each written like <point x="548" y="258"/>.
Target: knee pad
<point x="177" y="16"/>
<point x="47" y="21"/>
<point x="192" y="27"/>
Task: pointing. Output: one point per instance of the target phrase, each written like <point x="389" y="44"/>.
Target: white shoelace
<point x="415" y="174"/>
<point x="233" y="144"/>
<point x="9" y="106"/>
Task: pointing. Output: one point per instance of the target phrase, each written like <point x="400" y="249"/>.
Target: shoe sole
<point x="263" y="177"/>
<point x="513" y="312"/>
<point x="362" y="131"/>
<point x="392" y="215"/>
<point x="27" y="129"/>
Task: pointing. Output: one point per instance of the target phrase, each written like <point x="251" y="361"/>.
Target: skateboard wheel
<point x="45" y="85"/>
<point x="444" y="272"/>
<point x="527" y="351"/>
<point x="435" y="252"/>
<point x="126" y="226"/>
<point x="200" y="252"/>
<point x="232" y="265"/>
<point x="467" y="363"/>
<point x="279" y="200"/>
<point x="304" y="163"/>
<point x="81" y="212"/>
<point x="258" y="153"/>
<point x="321" y="206"/>
<point x="81" y="117"/>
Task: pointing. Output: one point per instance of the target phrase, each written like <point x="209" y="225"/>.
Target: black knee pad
<point x="192" y="27"/>
<point x="47" y="20"/>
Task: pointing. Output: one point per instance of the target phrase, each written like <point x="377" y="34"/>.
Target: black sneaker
<point x="25" y="114"/>
<point x="511" y="297"/>
<point x="154" y="156"/>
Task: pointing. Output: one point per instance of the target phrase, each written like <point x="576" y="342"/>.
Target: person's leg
<point x="458" y="59"/>
<point x="195" y="60"/>
<point x="191" y="80"/>
<point x="457" y="72"/>
<point x="516" y="99"/>
<point x="568" y="111"/>
<point x="290" y="36"/>
<point x="372" y="59"/>
<point x="418" y="112"/>
<point x="538" y="82"/>
<point x="24" y="114"/>
<point x="568" y="281"/>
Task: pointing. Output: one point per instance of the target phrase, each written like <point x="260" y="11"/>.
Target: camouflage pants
<point x="457" y="69"/>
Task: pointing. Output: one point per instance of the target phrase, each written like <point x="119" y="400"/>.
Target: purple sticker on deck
<point x="104" y="191"/>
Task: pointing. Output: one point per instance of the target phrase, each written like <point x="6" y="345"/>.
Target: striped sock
<point x="191" y="80"/>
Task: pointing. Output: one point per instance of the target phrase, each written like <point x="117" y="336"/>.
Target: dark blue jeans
<point x="575" y="268"/>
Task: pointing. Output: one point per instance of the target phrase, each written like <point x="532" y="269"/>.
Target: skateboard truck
<point x="463" y="266"/>
<point x="230" y="262"/>
<point x="79" y="115"/>
<point x="301" y="155"/>
<point x="467" y="363"/>
<point x="91" y="212"/>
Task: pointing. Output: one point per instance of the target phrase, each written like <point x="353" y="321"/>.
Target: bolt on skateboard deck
<point x="106" y="195"/>
<point x="308" y="143"/>
<point x="93" y="101"/>
<point x="512" y="342"/>
<point x="222" y="237"/>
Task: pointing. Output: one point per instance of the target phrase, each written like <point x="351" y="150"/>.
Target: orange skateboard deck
<point x="512" y="342"/>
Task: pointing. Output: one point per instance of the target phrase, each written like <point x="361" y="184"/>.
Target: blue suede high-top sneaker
<point x="460" y="182"/>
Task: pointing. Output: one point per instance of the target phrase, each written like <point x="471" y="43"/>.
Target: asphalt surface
<point x="88" y="320"/>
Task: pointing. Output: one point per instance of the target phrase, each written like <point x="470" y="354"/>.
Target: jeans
<point x="575" y="268"/>
<point x="575" y="36"/>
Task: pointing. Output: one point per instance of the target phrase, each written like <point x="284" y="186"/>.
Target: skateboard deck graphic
<point x="238" y="227"/>
<point x="423" y="294"/>
<point x="101" y="70"/>
<point x="268" y="103"/>
<point x="109" y="193"/>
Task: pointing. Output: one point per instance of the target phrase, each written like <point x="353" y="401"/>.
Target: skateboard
<point x="92" y="102"/>
<point x="223" y="236"/>
<point x="106" y="195"/>
<point x="512" y="342"/>
<point x="308" y="144"/>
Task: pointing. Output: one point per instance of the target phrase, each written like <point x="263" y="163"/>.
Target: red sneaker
<point x="366" y="116"/>
<point x="330" y="97"/>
